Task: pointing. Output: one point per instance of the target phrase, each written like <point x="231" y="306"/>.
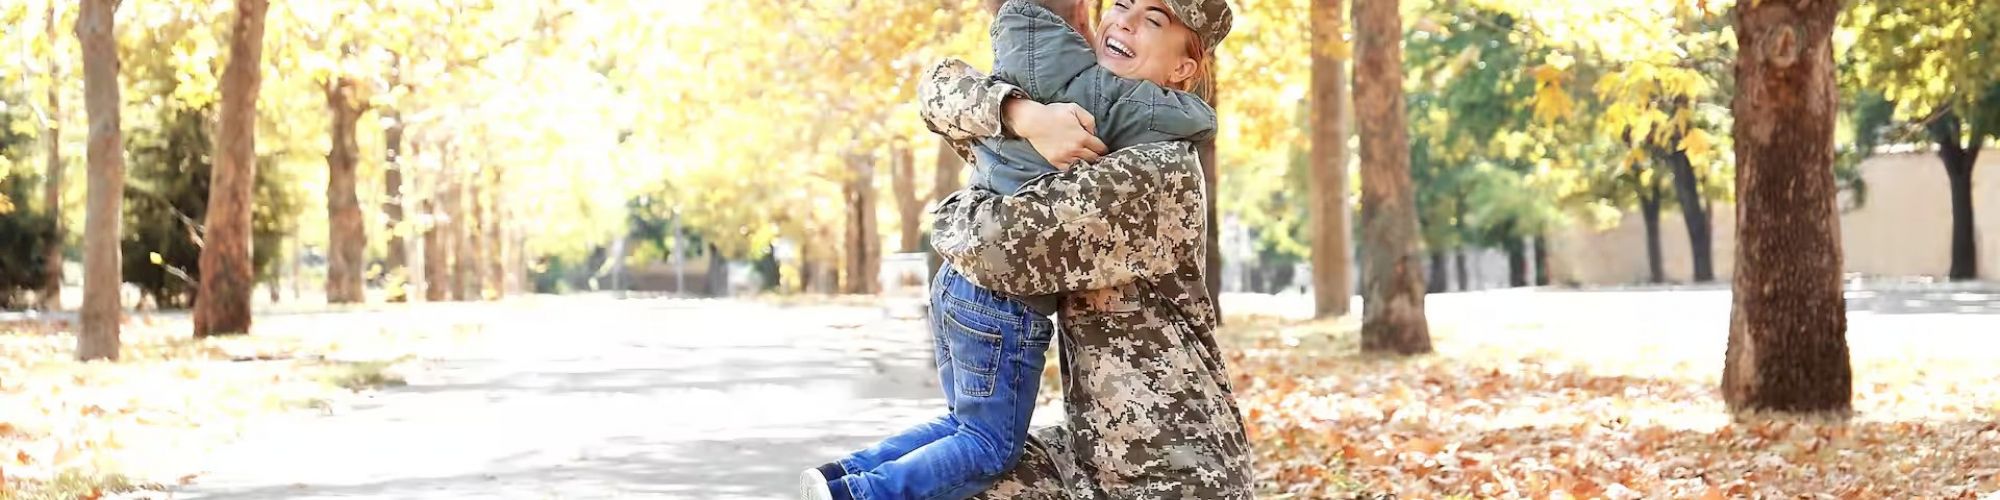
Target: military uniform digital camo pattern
<point x="1150" y="413"/>
<point x="1210" y="19"/>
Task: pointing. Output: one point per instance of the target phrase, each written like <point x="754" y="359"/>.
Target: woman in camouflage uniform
<point x="1150" y="414"/>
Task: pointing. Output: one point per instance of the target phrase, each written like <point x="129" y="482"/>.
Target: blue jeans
<point x="990" y="351"/>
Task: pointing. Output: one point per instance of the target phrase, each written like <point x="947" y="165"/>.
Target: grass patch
<point x="364" y="375"/>
<point x="70" y="485"/>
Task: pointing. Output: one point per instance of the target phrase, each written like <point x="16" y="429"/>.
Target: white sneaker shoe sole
<point x="812" y="486"/>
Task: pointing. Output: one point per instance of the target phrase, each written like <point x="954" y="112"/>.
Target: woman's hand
<point x="1063" y="133"/>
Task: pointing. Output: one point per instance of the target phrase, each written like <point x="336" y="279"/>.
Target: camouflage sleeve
<point x="961" y="103"/>
<point x="1134" y="215"/>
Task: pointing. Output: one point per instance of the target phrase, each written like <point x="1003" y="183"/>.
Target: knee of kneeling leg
<point x="998" y="456"/>
<point x="1010" y="458"/>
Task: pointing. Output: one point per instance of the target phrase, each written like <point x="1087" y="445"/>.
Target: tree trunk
<point x="909" y="208"/>
<point x="679" y="254"/>
<point x="488" y="243"/>
<point x="437" y="231"/>
<point x="396" y="272"/>
<point x="1687" y="191"/>
<point x="864" y="246"/>
<point x="292" y="259"/>
<point x="1393" y="299"/>
<point x="1541" y="259"/>
<point x="1327" y="191"/>
<point x="105" y="156"/>
<point x="449" y="201"/>
<point x="477" y="219"/>
<point x="1517" y="260"/>
<point x="346" y="238"/>
<point x="517" y="269"/>
<point x="496" y="244"/>
<point x="1458" y="226"/>
<point x="227" y="279"/>
<point x="1958" y="162"/>
<point x="464" y="234"/>
<point x="1464" y="278"/>
<point x="1788" y="325"/>
<point x="417" y="198"/>
<point x="1649" y="211"/>
<point x="1440" y="278"/>
<point x="1964" y="249"/>
<point x="806" y="268"/>
<point x="944" y="181"/>
<point x="50" y="296"/>
<point x="718" y="273"/>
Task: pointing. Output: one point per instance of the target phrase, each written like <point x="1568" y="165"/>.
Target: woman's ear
<point x="1183" y="71"/>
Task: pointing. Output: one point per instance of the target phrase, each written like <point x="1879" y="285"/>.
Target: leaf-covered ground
<point x="1520" y="404"/>
<point x="71" y="429"/>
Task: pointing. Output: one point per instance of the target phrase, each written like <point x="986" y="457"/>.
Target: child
<point x="990" y="345"/>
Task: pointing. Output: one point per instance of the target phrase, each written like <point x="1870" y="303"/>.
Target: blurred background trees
<point x="471" y="149"/>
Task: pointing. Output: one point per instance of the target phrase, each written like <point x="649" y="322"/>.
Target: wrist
<point x="1016" y="114"/>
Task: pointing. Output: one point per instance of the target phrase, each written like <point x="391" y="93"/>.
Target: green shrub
<point x="23" y="236"/>
<point x="166" y="201"/>
<point x="23" y="233"/>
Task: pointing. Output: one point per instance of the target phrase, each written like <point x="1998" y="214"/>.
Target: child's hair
<point x="1071" y="11"/>
<point x="1197" y="83"/>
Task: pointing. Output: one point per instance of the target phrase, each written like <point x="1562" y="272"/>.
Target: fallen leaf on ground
<point x="1532" y="412"/>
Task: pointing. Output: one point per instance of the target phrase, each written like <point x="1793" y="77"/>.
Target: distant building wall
<point x="1902" y="229"/>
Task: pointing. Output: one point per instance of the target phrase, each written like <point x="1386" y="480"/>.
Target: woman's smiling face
<point x="1141" y="39"/>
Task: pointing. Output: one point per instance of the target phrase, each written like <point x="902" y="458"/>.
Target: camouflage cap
<point x="1210" y="19"/>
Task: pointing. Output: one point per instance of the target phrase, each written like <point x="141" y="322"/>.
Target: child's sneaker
<point x="812" y="486"/>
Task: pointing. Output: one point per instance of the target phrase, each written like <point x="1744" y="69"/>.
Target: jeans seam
<point x="851" y="493"/>
<point x="982" y="309"/>
<point x="944" y="293"/>
<point x="1005" y="440"/>
<point x="998" y="342"/>
<point x="1032" y="335"/>
<point x="1010" y="354"/>
<point x="974" y="331"/>
<point x="990" y="375"/>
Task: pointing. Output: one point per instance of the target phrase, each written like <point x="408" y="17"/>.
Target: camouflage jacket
<point x="1150" y="413"/>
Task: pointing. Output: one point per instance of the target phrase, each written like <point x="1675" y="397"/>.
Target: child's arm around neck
<point x="1045" y="56"/>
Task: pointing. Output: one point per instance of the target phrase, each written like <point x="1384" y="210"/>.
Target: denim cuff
<point x="840" y="489"/>
<point x="833" y="470"/>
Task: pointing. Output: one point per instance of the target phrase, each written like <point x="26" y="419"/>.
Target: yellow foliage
<point x="1699" y="146"/>
<point x="769" y="108"/>
<point x="1551" y="102"/>
<point x="1264" y="71"/>
<point x="1924" y="56"/>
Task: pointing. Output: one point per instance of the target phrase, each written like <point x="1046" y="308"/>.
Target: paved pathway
<point x="599" y="398"/>
<point x="594" y="398"/>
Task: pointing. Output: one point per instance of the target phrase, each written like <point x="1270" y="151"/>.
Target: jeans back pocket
<point x="975" y="339"/>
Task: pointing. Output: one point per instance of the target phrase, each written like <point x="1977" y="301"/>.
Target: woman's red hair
<point x="1198" y="82"/>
